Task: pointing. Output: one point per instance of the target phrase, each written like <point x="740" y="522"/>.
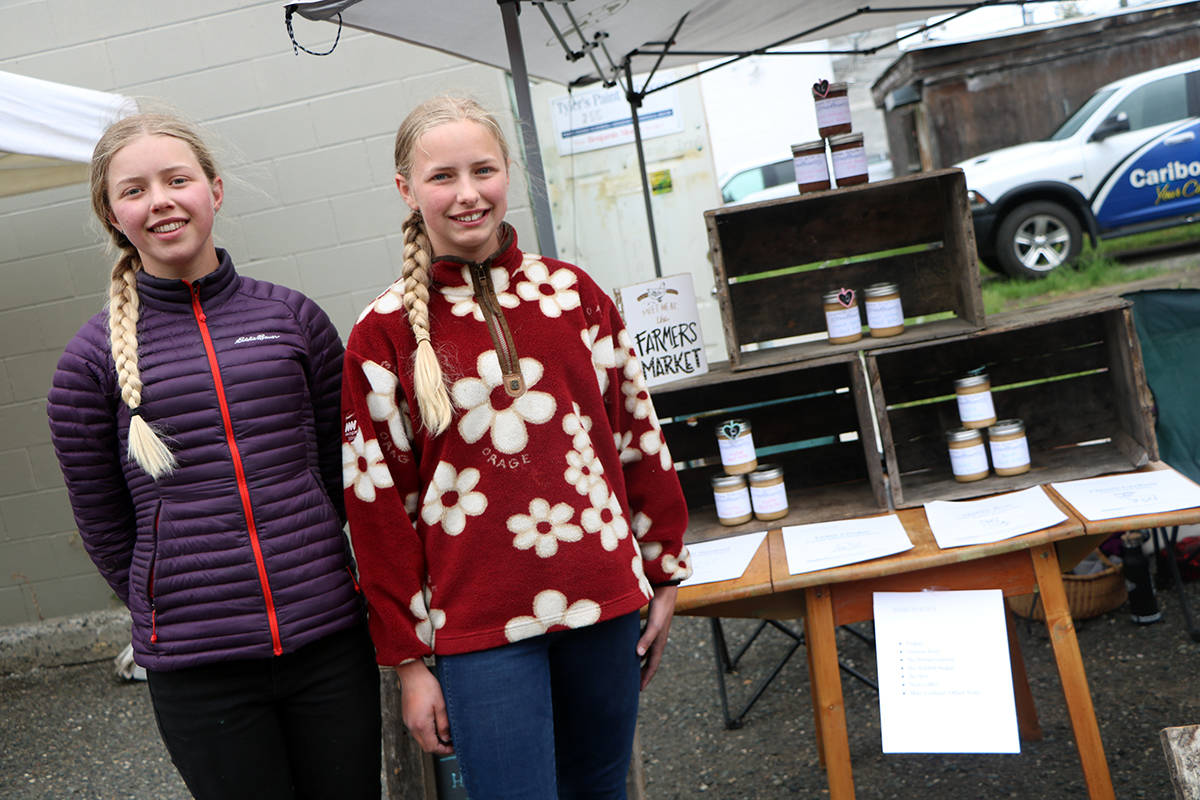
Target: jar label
<point x="731" y="505"/>
<point x="884" y="313"/>
<point x="975" y="406"/>
<point x="848" y="163"/>
<point x="736" y="451"/>
<point x="1009" y="453"/>
<point x="811" y="168"/>
<point x="968" y="460"/>
<point x="768" y="499"/>
<point x="833" y="111"/>
<point x="843" y="322"/>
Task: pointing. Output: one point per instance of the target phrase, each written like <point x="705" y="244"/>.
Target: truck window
<point x="1156" y="103"/>
<point x="1073" y="123"/>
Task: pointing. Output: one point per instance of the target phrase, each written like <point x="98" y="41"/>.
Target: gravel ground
<point x="76" y="732"/>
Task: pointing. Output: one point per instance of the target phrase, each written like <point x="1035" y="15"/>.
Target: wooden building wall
<point x="989" y="93"/>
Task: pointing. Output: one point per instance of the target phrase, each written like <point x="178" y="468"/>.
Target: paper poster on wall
<point x="591" y="119"/>
<point x="664" y="323"/>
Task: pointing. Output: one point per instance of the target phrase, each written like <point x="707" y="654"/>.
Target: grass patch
<point x="1096" y="267"/>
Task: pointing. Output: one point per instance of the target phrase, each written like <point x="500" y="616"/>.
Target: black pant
<point x="301" y="725"/>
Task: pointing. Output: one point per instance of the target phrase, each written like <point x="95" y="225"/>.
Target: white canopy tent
<point x="582" y="42"/>
<point x="48" y="131"/>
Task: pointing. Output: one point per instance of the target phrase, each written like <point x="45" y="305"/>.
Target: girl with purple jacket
<point x="197" y="424"/>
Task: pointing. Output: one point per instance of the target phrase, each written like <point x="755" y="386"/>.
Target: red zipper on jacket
<point x="239" y="470"/>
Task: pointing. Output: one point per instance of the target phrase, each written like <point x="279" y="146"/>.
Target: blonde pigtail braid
<point x="146" y="448"/>
<point x="432" y="398"/>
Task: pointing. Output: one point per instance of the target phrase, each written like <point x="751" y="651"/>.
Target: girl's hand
<point x="654" y="639"/>
<point x="423" y="708"/>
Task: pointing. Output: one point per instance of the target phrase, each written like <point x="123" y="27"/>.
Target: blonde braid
<point x="145" y="447"/>
<point x="432" y="398"/>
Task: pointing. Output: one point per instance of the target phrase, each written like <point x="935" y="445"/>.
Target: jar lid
<point x="971" y="380"/>
<point x="834" y="296"/>
<point x="733" y="428"/>
<point x="882" y="289"/>
<point x="1006" y="427"/>
<point x="963" y="435"/>
<point x="846" y="138"/>
<point x="765" y="472"/>
<point x="728" y="482"/>
<point x="806" y="147"/>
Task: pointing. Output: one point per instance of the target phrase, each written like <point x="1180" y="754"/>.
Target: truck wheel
<point x="1036" y="238"/>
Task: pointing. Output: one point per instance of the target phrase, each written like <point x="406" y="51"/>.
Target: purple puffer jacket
<point x="239" y="553"/>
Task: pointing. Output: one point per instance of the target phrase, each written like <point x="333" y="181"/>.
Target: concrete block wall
<point x="305" y="148"/>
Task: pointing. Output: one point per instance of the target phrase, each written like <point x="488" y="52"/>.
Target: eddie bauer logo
<point x="1160" y="179"/>
<point x="262" y="337"/>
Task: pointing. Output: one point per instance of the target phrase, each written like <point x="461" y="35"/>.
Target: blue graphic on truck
<point x="1157" y="181"/>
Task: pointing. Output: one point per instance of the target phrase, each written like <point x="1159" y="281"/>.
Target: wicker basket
<point x="1087" y="595"/>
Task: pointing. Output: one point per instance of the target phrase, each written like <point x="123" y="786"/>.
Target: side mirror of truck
<point x="1117" y="123"/>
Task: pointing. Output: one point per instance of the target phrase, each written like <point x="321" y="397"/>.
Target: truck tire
<point x="1036" y="238"/>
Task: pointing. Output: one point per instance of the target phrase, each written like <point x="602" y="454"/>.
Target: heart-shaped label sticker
<point x="846" y="297"/>
<point x="821" y="88"/>
<point x="731" y="430"/>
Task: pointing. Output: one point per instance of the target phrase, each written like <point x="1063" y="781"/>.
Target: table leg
<point x="816" y="708"/>
<point x="828" y="704"/>
<point x="1027" y="718"/>
<point x="1071" y="673"/>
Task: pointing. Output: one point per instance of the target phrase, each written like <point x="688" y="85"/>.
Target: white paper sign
<point x="723" y="559"/>
<point x="945" y="680"/>
<point x="590" y="119"/>
<point x="992" y="519"/>
<point x="822" y="545"/>
<point x="1130" y="494"/>
<point x="664" y="323"/>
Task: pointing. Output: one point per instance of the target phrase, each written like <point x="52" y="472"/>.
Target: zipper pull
<point x="514" y="383"/>
<point x="196" y="303"/>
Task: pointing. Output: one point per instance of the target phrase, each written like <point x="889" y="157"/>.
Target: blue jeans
<point x="301" y="725"/>
<point x="548" y="717"/>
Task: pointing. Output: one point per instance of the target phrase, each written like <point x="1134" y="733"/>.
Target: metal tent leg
<point x="1167" y="551"/>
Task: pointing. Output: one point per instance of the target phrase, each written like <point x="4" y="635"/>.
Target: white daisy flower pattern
<point x="603" y="357"/>
<point x="550" y="610"/>
<point x="363" y="468"/>
<point x="626" y="357"/>
<point x="451" y="498"/>
<point x="578" y="427"/>
<point x="675" y="567"/>
<point x="489" y="408"/>
<point x="429" y="620"/>
<point x="586" y="473"/>
<point x="391" y="300"/>
<point x="552" y="292"/>
<point x="624" y="444"/>
<point x="639" y="572"/>
<point x="608" y="521"/>
<point x="381" y="402"/>
<point x="641" y="525"/>
<point x="637" y="399"/>
<point x="652" y="442"/>
<point x="544" y="527"/>
<point x="462" y="298"/>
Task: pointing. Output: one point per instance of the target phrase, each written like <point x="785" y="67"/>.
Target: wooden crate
<point x="1072" y="372"/>
<point x="813" y="419"/>
<point x="769" y="290"/>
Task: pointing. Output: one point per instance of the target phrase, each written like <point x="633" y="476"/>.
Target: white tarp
<point x="48" y="131"/>
<point x="471" y="29"/>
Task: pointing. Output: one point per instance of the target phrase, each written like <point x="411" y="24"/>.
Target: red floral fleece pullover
<point x="550" y="502"/>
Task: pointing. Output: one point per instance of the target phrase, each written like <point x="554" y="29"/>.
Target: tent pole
<point x="533" y="156"/>
<point x="635" y="100"/>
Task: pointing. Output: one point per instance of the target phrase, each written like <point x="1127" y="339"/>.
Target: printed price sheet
<point x="956" y="523"/>
<point x="1130" y="494"/>
<point x="823" y="545"/>
<point x="945" y="680"/>
<point x="723" y="559"/>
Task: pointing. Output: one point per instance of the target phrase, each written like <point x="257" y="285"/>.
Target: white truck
<point x="1127" y="161"/>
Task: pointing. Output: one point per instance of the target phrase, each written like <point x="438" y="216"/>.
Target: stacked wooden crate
<point x="860" y="427"/>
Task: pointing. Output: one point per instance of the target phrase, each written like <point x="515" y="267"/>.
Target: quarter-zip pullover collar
<point x="172" y="294"/>
<point x="448" y="270"/>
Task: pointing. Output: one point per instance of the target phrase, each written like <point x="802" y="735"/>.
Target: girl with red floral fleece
<point x="511" y="499"/>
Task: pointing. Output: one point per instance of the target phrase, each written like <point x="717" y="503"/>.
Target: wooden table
<point x="843" y="595"/>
